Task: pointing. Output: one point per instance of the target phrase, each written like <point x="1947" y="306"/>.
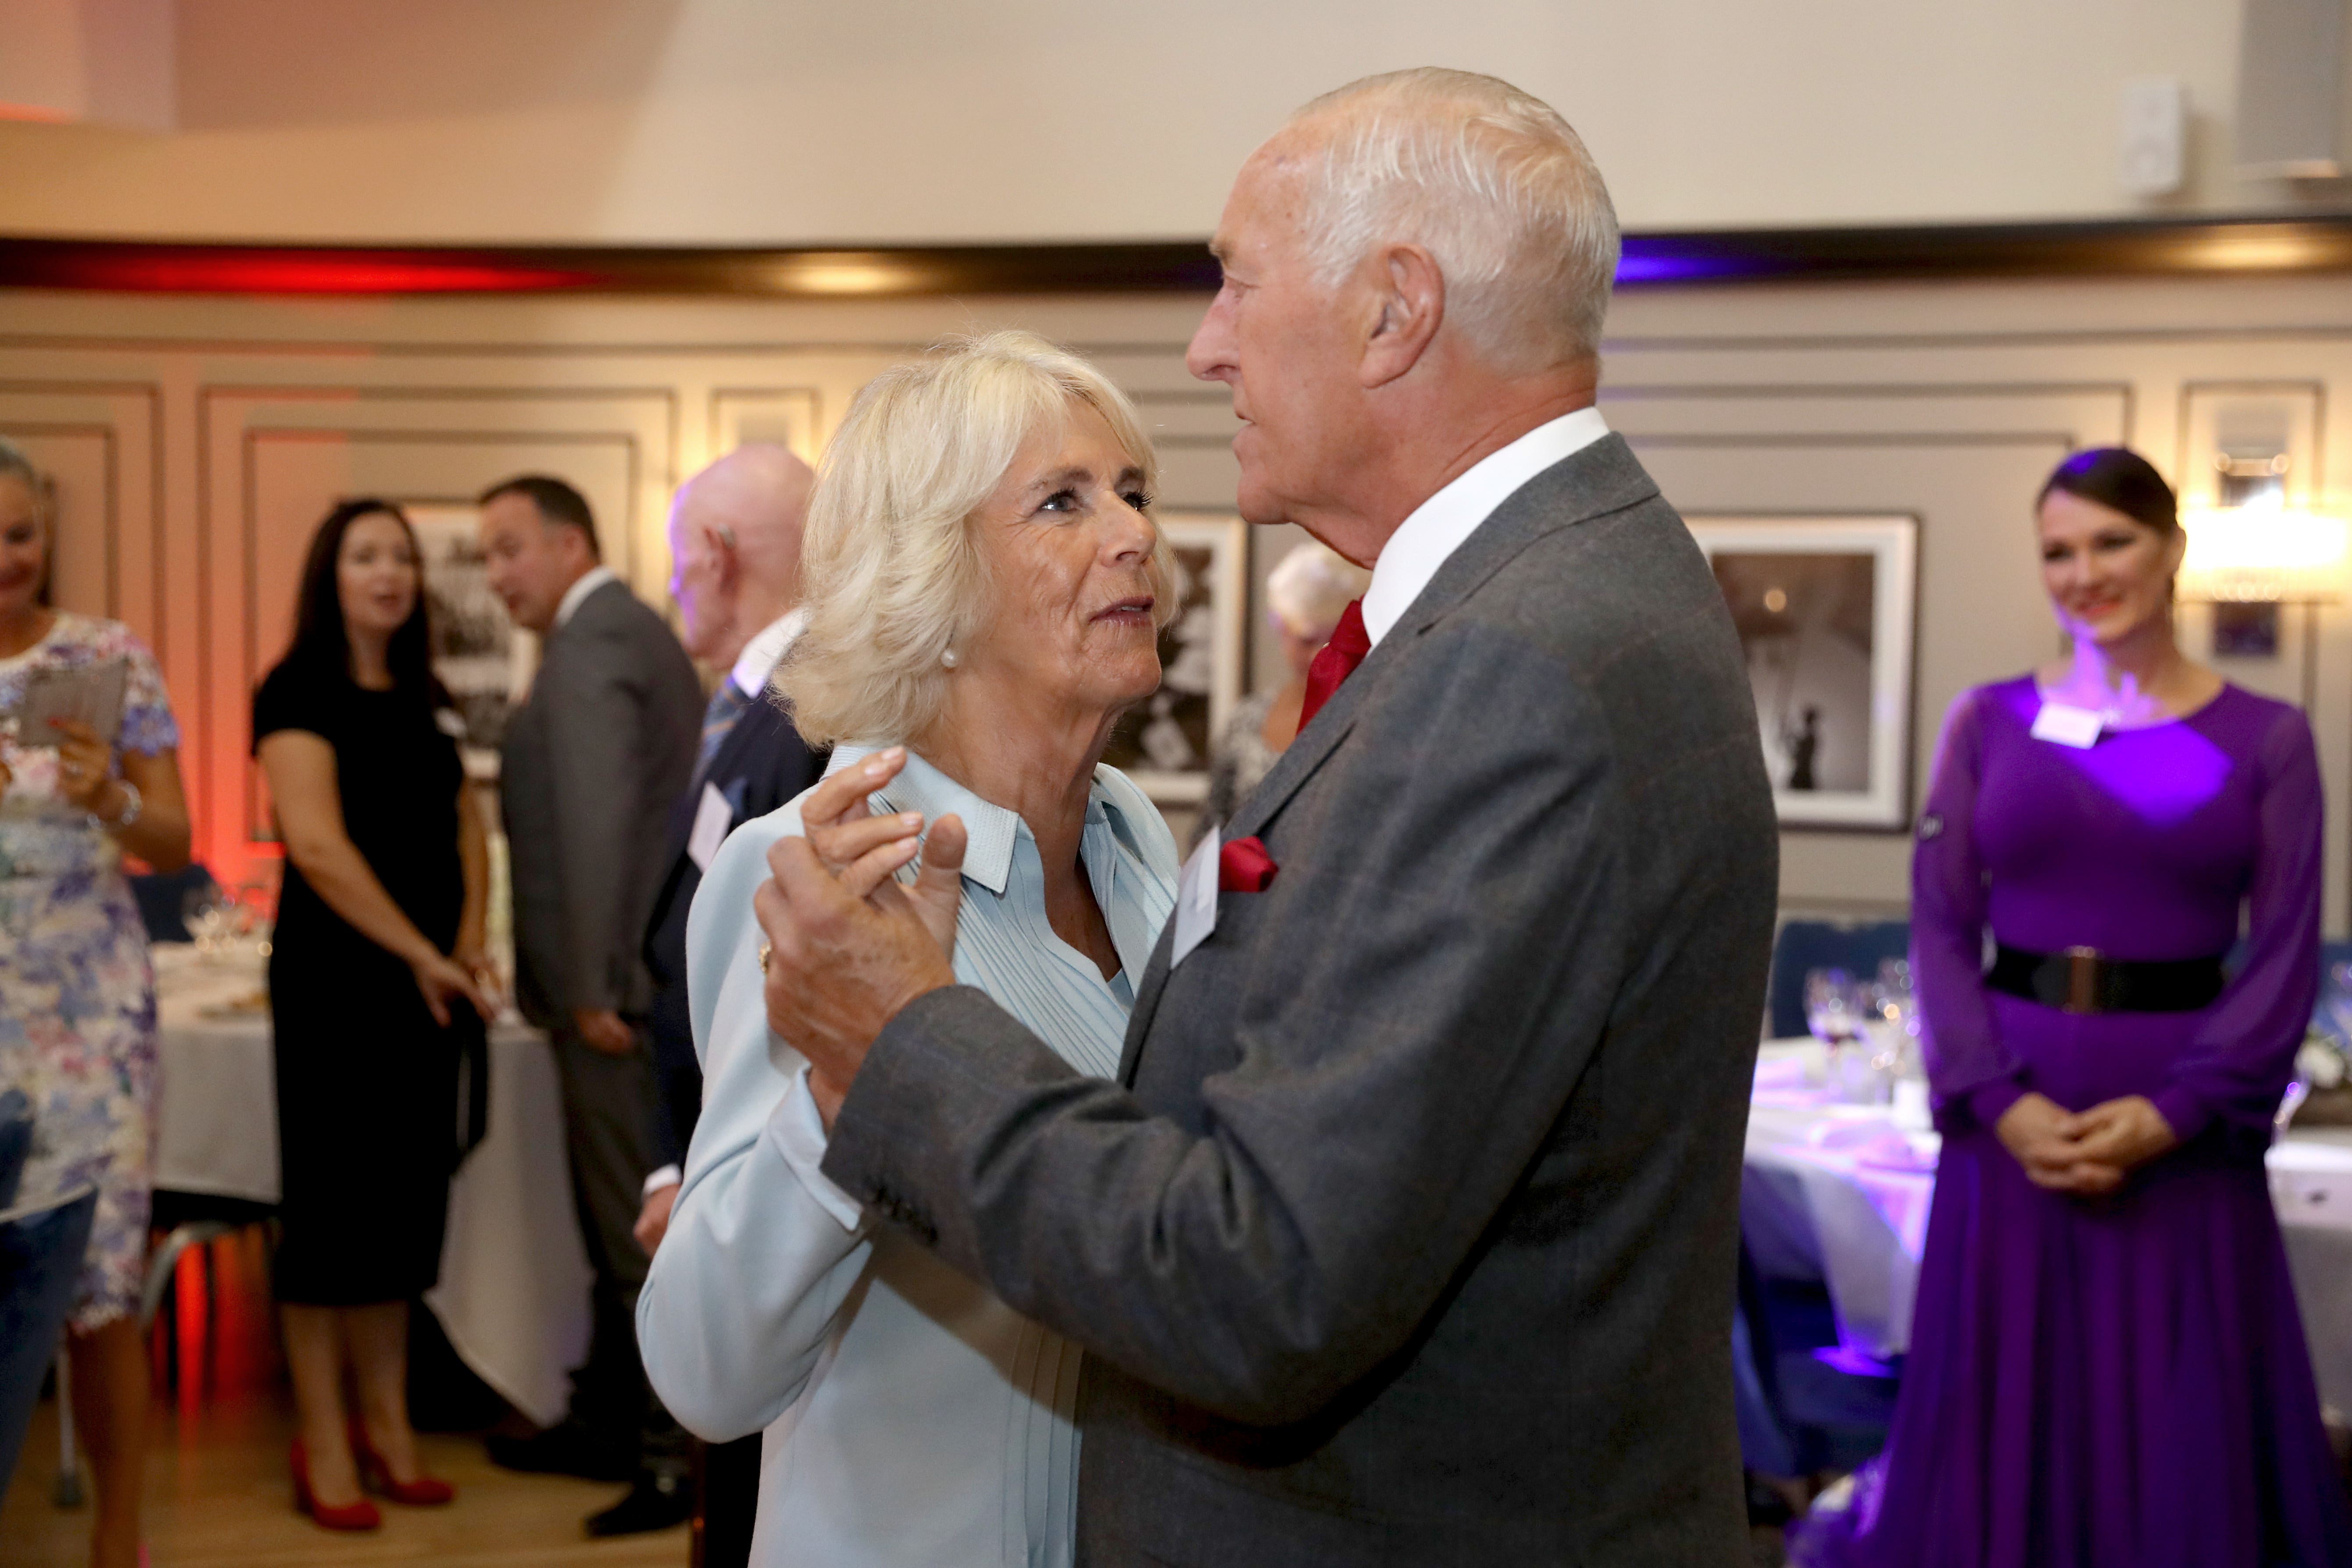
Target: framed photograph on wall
<point x="1825" y="608"/>
<point x="1163" y="742"/>
<point x="482" y="655"/>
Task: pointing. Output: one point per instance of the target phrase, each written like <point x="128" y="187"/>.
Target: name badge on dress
<point x="1196" y="899"/>
<point x="711" y="820"/>
<point x="2068" y="725"/>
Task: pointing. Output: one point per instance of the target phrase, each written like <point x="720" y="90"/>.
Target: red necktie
<point x="1336" y="661"/>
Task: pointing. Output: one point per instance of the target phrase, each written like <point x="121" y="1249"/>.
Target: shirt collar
<point x="1439" y="525"/>
<point x="993" y="829"/>
<point x="767" y="650"/>
<point x="577" y="595"/>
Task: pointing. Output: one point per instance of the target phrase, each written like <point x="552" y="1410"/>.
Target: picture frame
<point x="484" y="659"/>
<point x="1827" y="610"/>
<point x="1164" y="743"/>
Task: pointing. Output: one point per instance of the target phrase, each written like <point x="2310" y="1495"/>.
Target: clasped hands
<point x="2087" y="1153"/>
<point x="848" y="944"/>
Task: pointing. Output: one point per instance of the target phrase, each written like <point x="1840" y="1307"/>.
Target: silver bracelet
<point x="131" y="803"/>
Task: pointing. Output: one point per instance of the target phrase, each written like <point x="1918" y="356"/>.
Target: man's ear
<point x="1412" y="307"/>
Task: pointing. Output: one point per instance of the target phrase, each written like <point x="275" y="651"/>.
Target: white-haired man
<point x="1408" y="1233"/>
<point x="735" y="572"/>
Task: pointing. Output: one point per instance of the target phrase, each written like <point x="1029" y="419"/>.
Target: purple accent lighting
<point x="2165" y="773"/>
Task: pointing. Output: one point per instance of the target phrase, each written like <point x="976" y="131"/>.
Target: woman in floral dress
<point x="76" y="994"/>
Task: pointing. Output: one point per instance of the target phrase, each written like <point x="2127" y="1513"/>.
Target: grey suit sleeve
<point x="599" y="748"/>
<point x="1406" y="1012"/>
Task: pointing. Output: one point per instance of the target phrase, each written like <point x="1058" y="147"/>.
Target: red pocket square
<point x="1244" y="867"/>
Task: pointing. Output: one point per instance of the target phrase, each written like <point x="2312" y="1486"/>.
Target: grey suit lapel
<point x="1601" y="478"/>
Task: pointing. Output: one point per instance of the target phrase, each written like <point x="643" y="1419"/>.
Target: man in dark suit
<point x="1408" y="1233"/>
<point x="592" y="762"/>
<point x="735" y="552"/>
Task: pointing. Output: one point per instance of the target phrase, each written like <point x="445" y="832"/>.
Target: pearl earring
<point x="949" y="659"/>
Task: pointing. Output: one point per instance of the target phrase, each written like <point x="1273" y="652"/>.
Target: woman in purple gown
<point x="2107" y="1365"/>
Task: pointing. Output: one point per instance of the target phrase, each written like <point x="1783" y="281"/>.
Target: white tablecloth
<point x="1827" y="1198"/>
<point x="513" y="1295"/>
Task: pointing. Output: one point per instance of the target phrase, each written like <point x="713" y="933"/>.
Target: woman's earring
<point x="949" y="659"/>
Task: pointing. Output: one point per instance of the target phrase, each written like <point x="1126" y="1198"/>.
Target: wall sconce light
<point x="2247" y="561"/>
<point x="2263" y="555"/>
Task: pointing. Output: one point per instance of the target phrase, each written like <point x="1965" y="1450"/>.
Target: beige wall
<point x="197" y="442"/>
<point x="753" y="122"/>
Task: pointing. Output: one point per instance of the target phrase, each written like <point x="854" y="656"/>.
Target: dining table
<point x="513" y="1294"/>
<point x="1840" y="1193"/>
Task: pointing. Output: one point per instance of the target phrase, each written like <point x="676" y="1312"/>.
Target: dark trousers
<point x="608" y="1110"/>
<point x="40" y="1262"/>
<point x="727" y="1502"/>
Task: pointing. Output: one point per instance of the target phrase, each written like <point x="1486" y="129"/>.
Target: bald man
<point x="735" y="553"/>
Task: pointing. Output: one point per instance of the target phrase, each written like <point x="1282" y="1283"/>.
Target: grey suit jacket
<point x="1410" y="1235"/>
<point x="592" y="762"/>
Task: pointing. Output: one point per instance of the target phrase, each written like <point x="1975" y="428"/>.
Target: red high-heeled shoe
<point x="375" y="1475"/>
<point x="360" y="1515"/>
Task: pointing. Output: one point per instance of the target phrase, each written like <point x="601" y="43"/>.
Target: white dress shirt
<point x="765" y="651"/>
<point x="910" y="1416"/>
<point x="1439" y="525"/>
<point x="586" y="583"/>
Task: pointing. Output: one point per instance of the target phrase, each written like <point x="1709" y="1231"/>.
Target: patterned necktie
<point x="726" y="705"/>
<point x="1336" y="661"/>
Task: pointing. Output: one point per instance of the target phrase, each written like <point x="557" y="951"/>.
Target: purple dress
<point x="2124" y="1380"/>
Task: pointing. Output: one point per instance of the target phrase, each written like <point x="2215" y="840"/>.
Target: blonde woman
<point x="985" y="591"/>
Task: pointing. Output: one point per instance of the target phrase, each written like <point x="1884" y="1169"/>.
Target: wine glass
<point x="207" y="917"/>
<point x="257" y="913"/>
<point x="1833" y="1012"/>
<point x="1832" y="1006"/>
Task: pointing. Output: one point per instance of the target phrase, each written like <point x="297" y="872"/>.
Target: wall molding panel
<point x="197" y="439"/>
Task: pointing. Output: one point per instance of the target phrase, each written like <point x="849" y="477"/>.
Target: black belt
<point x="2084" y="980"/>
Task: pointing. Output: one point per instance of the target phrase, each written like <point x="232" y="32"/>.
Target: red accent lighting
<point x="164" y="269"/>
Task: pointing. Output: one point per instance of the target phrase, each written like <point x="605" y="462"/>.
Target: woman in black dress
<point x="378" y="988"/>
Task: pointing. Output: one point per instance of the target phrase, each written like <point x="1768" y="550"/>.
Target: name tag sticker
<point x="2068" y="726"/>
<point x="711" y="820"/>
<point x="1196" y="900"/>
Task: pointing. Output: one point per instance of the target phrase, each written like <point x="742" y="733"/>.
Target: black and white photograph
<point x="478" y="652"/>
<point x="1824" y="611"/>
<point x="1164" y="742"/>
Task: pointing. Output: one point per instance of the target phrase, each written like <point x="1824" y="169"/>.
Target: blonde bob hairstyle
<point x="890" y="559"/>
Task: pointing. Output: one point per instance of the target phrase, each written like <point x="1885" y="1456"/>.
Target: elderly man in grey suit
<point x="1408" y="1233"/>
<point x="592" y="759"/>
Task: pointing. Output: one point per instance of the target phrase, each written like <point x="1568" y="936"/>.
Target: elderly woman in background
<point x="77" y="993"/>
<point x="378" y="989"/>
<point x="1307" y="594"/>
<point x="985" y="589"/>
<point x="2107" y="1365"/>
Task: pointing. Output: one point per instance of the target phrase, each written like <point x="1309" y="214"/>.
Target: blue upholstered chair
<point x="1855" y="946"/>
<point x="163" y="899"/>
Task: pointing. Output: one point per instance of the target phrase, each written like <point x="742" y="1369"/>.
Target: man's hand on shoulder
<point x="847" y="945"/>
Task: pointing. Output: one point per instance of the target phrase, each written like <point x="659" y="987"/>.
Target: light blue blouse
<point x="910" y="1416"/>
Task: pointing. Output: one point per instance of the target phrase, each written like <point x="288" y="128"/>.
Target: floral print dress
<point x="77" y="992"/>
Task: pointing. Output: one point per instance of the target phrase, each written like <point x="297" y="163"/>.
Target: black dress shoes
<point x="657" y="1501"/>
<point x="568" y="1448"/>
